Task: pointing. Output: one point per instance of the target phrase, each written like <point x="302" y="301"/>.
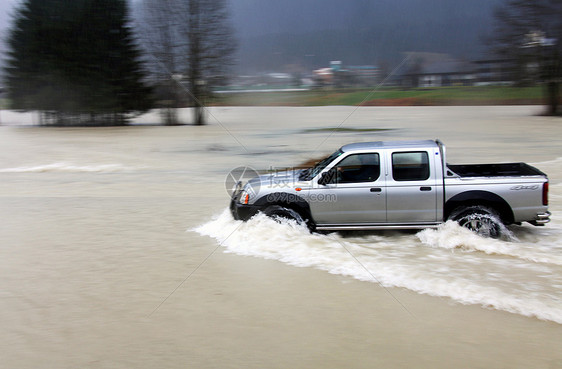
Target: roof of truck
<point x="388" y="144"/>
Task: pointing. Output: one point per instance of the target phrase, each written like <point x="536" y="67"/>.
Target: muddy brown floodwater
<point x="116" y="250"/>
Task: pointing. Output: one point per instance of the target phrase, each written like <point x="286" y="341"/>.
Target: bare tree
<point x="192" y="43"/>
<point x="529" y="33"/>
<point x="159" y="31"/>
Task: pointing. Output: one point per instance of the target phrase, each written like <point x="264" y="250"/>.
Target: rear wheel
<point x="481" y="220"/>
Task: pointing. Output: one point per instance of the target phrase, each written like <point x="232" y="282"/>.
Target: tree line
<point x="84" y="62"/>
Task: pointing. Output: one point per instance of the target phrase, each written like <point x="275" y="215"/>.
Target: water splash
<point x="450" y="261"/>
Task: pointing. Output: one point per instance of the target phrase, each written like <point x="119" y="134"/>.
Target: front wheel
<point x="278" y="212"/>
<point x="479" y="219"/>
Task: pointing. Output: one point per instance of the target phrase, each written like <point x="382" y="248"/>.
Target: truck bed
<point x="494" y="170"/>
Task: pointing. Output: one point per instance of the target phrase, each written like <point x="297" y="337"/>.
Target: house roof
<point x="446" y="67"/>
<point x="435" y="63"/>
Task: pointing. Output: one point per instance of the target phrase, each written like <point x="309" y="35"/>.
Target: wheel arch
<point x="483" y="198"/>
<point x="291" y="201"/>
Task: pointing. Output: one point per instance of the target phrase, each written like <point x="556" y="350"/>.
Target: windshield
<point x="310" y="173"/>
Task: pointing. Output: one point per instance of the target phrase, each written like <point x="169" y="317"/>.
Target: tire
<point x="481" y="220"/>
<point x="278" y="213"/>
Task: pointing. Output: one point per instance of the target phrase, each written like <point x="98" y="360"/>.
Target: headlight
<point x="247" y="193"/>
<point x="244" y="197"/>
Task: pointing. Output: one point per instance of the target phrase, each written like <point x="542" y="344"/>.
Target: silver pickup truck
<point x="398" y="185"/>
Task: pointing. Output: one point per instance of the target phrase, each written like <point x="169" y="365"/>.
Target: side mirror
<point x="327" y="177"/>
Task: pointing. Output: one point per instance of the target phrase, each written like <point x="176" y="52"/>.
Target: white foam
<point x="452" y="236"/>
<point x="447" y="262"/>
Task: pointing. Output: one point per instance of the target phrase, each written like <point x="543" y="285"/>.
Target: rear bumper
<point x="542" y="219"/>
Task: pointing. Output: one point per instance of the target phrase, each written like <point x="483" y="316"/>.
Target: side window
<point x="358" y="168"/>
<point x="410" y="166"/>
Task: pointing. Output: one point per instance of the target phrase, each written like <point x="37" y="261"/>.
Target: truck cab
<point x="380" y="184"/>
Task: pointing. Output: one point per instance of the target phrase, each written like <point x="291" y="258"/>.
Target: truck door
<point x="411" y="187"/>
<point x="355" y="193"/>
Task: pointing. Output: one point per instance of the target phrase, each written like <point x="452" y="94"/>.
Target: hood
<point x="285" y="179"/>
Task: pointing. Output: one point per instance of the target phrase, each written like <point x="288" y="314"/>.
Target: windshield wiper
<point x="308" y="174"/>
<point x="303" y="175"/>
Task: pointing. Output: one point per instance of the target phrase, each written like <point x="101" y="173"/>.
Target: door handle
<point x="376" y="189"/>
<point x="425" y="188"/>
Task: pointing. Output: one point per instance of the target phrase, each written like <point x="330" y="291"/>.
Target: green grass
<point x="485" y="95"/>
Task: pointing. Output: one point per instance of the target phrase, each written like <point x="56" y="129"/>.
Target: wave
<point x="549" y="162"/>
<point x="451" y="236"/>
<point x="428" y="262"/>
<point x="67" y="167"/>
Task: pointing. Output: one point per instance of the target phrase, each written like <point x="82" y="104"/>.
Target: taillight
<point x="545" y="194"/>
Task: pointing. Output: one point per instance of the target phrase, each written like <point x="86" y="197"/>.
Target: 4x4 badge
<point x="520" y="188"/>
